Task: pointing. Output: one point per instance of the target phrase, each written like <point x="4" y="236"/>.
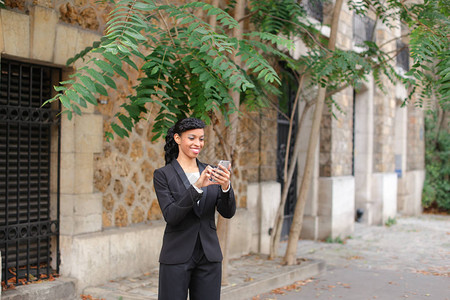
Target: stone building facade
<point x="371" y="157"/>
<point x="108" y="208"/>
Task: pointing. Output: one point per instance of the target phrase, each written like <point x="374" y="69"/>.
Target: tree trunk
<point x="222" y="223"/>
<point x="296" y="227"/>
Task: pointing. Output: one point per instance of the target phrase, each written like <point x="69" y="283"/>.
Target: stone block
<point x="90" y="259"/>
<point x="67" y="135"/>
<point x="67" y="178"/>
<point x="66" y="225"/>
<point x="240" y="234"/>
<point x="270" y="200"/>
<point x="87" y="223"/>
<point x="66" y="206"/>
<point x="253" y="214"/>
<point x="384" y="196"/>
<point x="336" y="195"/>
<point x="85" y="39"/>
<point x="87" y="204"/>
<point x="410" y="193"/>
<point x="262" y="204"/>
<point x="336" y="206"/>
<point x="96" y="258"/>
<point x="43" y="24"/>
<point x="16" y="33"/>
<point x="89" y="133"/>
<point x="310" y="227"/>
<point x="65" y="43"/>
<point x="84" y="173"/>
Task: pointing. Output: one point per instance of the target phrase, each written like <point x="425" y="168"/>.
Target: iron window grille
<point x="286" y="105"/>
<point x="363" y="29"/>
<point x="403" y="56"/>
<point x="29" y="144"/>
<point x="314" y="8"/>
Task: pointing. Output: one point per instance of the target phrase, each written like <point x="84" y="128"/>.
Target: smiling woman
<point x="190" y="255"/>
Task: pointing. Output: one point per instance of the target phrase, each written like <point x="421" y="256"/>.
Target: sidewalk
<point x="400" y="258"/>
<point x="248" y="276"/>
<point x="410" y="259"/>
<point x="413" y="246"/>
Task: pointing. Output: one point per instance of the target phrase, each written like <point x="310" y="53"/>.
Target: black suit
<point x="190" y="230"/>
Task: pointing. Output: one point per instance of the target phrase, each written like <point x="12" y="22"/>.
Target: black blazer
<point x="185" y="218"/>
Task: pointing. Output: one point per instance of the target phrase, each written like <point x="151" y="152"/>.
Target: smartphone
<point x="225" y="163"/>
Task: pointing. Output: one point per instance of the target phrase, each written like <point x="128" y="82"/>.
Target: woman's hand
<point x="222" y="176"/>
<point x="205" y="178"/>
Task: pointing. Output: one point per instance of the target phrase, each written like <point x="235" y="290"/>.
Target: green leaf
<point x="100" y="89"/>
<point x="104" y="66"/>
<point x="96" y="75"/>
<point x="59" y="88"/>
<point x="112" y="58"/>
<point x="76" y="109"/>
<point x="121" y="72"/>
<point x="119" y="130"/>
<point x="88" y="83"/>
<point x="110" y="82"/>
<point x="126" y="121"/>
<point x="85" y="93"/>
<point x="65" y="101"/>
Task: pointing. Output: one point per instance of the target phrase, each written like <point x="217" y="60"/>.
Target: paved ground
<point x="409" y="260"/>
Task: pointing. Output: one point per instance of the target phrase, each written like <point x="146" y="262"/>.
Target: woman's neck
<point x="189" y="165"/>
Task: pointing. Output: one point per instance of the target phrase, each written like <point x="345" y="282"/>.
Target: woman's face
<point x="190" y="142"/>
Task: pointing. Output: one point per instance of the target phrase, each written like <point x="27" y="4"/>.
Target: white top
<point x="193" y="177"/>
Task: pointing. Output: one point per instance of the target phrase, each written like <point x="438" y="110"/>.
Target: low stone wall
<point x="384" y="197"/>
<point x="96" y="258"/>
<point x="410" y="187"/>
<point x="336" y="210"/>
<point x="263" y="201"/>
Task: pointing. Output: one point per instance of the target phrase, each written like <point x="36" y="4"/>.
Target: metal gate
<point x="29" y="144"/>
<point x="286" y="103"/>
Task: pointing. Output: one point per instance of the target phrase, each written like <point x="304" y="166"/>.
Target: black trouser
<point x="201" y="277"/>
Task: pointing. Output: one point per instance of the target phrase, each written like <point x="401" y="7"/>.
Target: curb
<point x="63" y="288"/>
<point x="306" y="270"/>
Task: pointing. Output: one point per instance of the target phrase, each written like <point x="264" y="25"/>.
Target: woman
<point x="190" y="257"/>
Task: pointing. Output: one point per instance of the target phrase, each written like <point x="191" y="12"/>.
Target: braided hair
<point x="171" y="147"/>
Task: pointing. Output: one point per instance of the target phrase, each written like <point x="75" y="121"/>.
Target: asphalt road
<point x="409" y="260"/>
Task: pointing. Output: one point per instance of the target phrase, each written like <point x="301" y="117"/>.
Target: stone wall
<point x="258" y="145"/>
<point x="87" y="14"/>
<point x="336" y="132"/>
<point x="415" y="139"/>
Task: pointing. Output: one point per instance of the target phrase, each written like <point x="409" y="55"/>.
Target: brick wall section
<point x="325" y="146"/>
<point x="336" y="133"/>
<point x="342" y="138"/>
<point x="384" y="114"/>
<point x="415" y="139"/>
<point x="258" y="145"/>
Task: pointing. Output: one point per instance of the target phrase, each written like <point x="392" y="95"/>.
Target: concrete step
<point x="62" y="288"/>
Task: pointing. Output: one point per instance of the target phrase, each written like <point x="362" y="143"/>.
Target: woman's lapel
<point x="187" y="184"/>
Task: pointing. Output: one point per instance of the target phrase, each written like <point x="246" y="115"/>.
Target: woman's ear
<point x="177" y="138"/>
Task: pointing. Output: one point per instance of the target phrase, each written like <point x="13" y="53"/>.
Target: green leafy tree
<point x="436" y="191"/>
<point x="187" y="63"/>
